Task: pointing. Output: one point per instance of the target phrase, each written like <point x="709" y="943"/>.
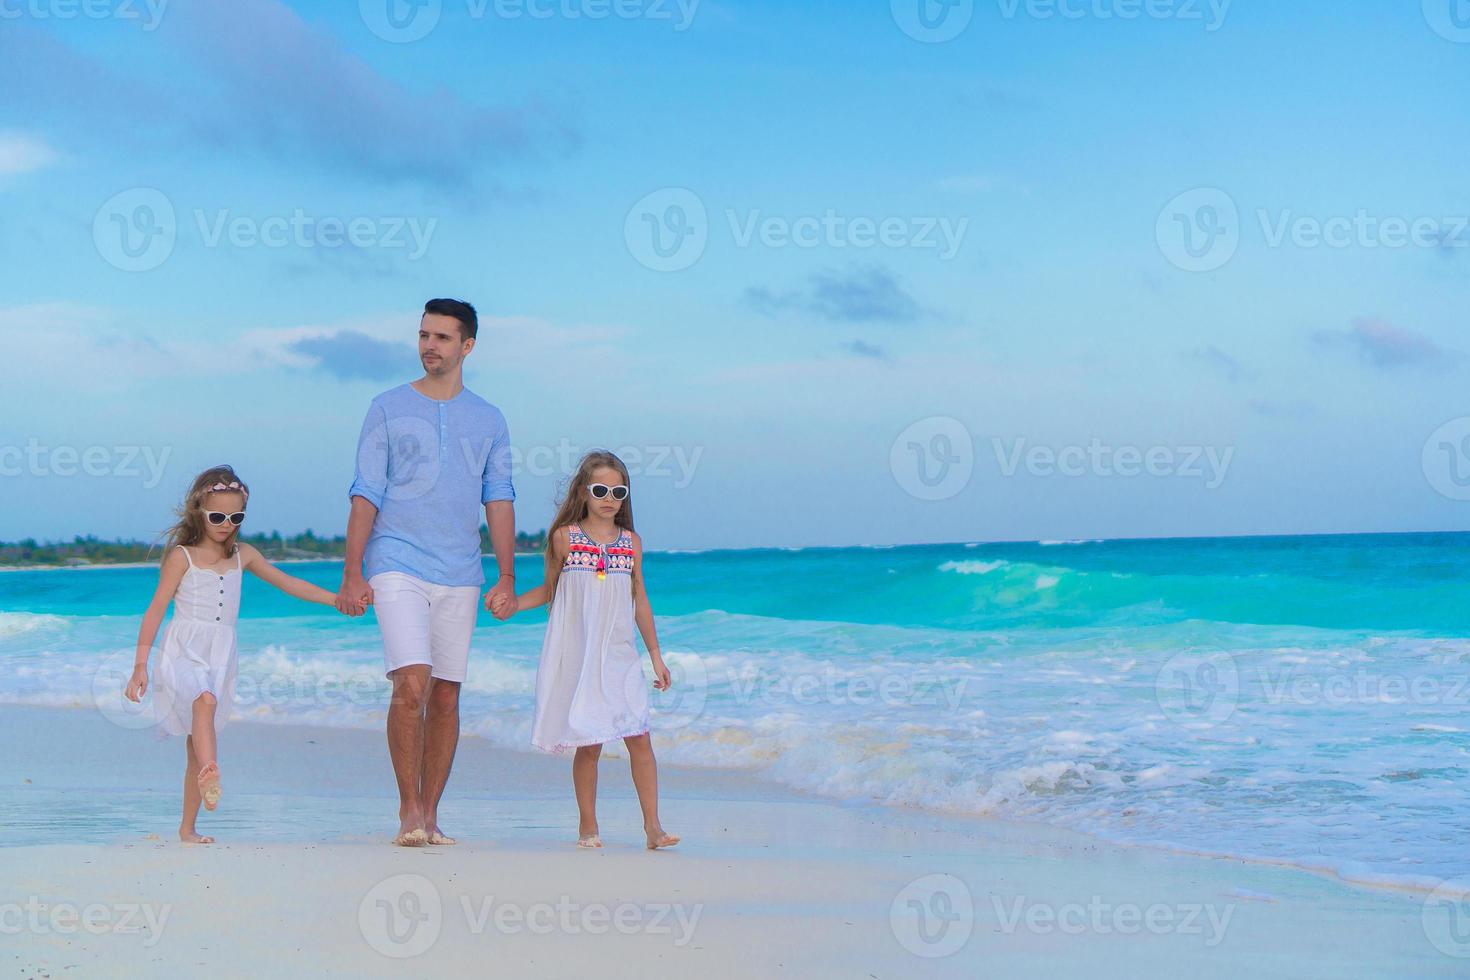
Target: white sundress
<point x="590" y="685"/>
<point x="199" y="651"/>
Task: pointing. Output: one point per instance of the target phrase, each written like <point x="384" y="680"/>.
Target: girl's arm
<point x="170" y="574"/>
<point x="260" y="566"/>
<point x="643" y="616"/>
<point x="556" y="555"/>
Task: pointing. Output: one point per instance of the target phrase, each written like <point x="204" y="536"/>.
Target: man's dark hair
<point x="469" y="320"/>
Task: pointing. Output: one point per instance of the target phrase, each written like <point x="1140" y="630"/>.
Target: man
<point x="430" y="455"/>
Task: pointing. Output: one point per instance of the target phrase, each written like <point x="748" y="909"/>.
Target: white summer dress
<point x="590" y="685"/>
<point x="199" y="652"/>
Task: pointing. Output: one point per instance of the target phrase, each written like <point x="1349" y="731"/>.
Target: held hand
<point x="355" y="596"/>
<point x="137" y="684"/>
<point x="501" y="600"/>
<point x="662" y="681"/>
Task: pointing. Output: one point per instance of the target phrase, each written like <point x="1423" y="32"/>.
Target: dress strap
<point x="237" y="559"/>
<point x="185" y="550"/>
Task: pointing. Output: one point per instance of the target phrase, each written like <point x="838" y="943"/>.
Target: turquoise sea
<point x="1303" y="699"/>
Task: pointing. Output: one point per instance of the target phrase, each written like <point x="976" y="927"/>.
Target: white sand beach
<point x="766" y="883"/>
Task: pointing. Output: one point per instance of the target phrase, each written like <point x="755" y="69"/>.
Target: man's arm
<point x="355" y="591"/>
<point x="498" y="494"/>
<point x="369" y="487"/>
<point x="500" y="517"/>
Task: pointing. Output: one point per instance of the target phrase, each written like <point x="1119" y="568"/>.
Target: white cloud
<point x="21" y="153"/>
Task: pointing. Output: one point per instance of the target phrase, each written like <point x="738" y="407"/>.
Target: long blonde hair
<point x="189" y="529"/>
<point x="574" y="507"/>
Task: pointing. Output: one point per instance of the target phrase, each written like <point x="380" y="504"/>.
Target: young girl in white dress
<point x="590" y="686"/>
<point x="194" y="679"/>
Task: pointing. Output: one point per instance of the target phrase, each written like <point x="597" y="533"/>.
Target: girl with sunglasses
<point x="590" y="686"/>
<point x="194" y="679"/>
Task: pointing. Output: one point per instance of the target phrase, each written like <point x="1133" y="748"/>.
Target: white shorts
<point x="423" y="623"/>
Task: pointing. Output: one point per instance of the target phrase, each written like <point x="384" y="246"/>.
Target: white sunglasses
<point x="600" y="490"/>
<point x="216" y="518"/>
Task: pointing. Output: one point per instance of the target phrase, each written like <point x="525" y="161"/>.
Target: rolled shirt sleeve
<point x="496" y="483"/>
<point x="371" y="480"/>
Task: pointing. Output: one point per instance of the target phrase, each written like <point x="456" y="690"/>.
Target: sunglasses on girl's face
<point x="216" y="518"/>
<point x="600" y="490"/>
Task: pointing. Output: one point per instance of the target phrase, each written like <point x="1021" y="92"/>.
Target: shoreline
<point x="745" y="783"/>
<point x="766" y="881"/>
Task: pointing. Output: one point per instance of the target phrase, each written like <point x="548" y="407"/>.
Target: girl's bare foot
<point x="657" y="838"/>
<point x="189" y="837"/>
<point x="209" y="788"/>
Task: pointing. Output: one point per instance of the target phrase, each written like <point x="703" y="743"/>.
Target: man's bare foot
<point x="434" y="834"/>
<point x="411" y="832"/>
<point x="657" y="838"/>
<point x="209" y="788"/>
<point x="189" y="837"/>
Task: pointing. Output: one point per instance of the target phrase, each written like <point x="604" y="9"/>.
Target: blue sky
<point x="930" y="291"/>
